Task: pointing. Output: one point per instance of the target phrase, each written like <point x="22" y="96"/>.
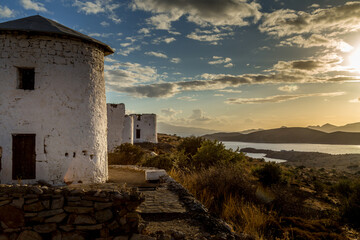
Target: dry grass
<point x="243" y="216"/>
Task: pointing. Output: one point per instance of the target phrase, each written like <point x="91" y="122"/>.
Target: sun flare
<point x="354" y="59"/>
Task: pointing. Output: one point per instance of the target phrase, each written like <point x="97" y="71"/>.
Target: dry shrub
<point x="225" y="191"/>
<point x="126" y="154"/>
<point x="245" y="217"/>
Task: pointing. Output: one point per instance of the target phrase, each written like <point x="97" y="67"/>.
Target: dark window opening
<point x="137" y="133"/>
<point x="138" y="117"/>
<point x="26" y="78"/>
<point x="23" y="156"/>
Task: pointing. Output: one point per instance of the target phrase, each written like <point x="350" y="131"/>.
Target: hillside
<point x="290" y="135"/>
<point x="351" y="127"/>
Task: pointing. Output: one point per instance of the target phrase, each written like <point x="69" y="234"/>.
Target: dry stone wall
<point x="34" y="212"/>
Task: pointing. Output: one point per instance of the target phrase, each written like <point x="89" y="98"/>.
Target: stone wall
<point x="100" y="212"/>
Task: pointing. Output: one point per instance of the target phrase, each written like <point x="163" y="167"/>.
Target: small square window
<point x="26" y="78"/>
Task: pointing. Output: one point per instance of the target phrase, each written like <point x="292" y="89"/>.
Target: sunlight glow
<point x="354" y="59"/>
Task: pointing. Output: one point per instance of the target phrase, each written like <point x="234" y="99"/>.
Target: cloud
<point x="314" y="5"/>
<point x="187" y="98"/>
<point x="99" y="6"/>
<point x="285" y="22"/>
<point x="169" y="40"/>
<point x="200" y="12"/>
<point x="170" y="113"/>
<point x="288" y="88"/>
<point x="198" y="115"/>
<point x="144" y="31"/>
<point x="323" y="69"/>
<point x="212" y="36"/>
<point x="175" y="60"/>
<point x="6" y="12"/>
<point x="156" y="54"/>
<point x="120" y="75"/>
<point x="316" y="40"/>
<point x="30" y="5"/>
<point x="221" y="60"/>
<point x="128" y="50"/>
<point x="163" y="39"/>
<point x="104" y="24"/>
<point x="230" y="91"/>
<point x="356" y="100"/>
<point x="280" y="98"/>
<point x="104" y="35"/>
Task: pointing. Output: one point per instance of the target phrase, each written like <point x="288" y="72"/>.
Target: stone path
<point x="169" y="210"/>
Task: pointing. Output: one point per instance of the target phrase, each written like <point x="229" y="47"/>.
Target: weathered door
<point x="23" y="153"/>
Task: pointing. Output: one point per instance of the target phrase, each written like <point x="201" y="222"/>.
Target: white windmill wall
<point x="115" y="116"/>
<point x="128" y="136"/>
<point x="66" y="110"/>
<point x="146" y="124"/>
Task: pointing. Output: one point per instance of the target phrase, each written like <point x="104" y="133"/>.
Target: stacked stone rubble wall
<point x="34" y="212"/>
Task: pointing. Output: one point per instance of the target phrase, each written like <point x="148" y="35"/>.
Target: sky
<point x="226" y="65"/>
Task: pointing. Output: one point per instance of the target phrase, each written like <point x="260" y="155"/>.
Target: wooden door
<point x="23" y="153"/>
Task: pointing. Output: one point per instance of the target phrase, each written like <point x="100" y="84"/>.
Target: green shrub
<point x="164" y="161"/>
<point x="190" y="145"/>
<point x="126" y="154"/>
<point x="268" y="174"/>
<point x="213" y="153"/>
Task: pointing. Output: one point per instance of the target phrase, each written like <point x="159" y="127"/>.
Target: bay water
<point x="301" y="147"/>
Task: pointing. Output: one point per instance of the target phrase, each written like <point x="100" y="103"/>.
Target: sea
<point x="301" y="147"/>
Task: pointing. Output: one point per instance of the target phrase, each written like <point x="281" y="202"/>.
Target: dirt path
<point x="169" y="211"/>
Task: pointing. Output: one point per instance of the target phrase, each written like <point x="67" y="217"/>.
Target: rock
<point x="56" y="219"/>
<point x="31" y="214"/>
<point x="101" y="206"/>
<point x="56" y="235"/>
<point x="132" y="217"/>
<point x="72" y="236"/>
<point x="89" y="227"/>
<point x="34" y="207"/>
<point x="67" y="228"/>
<point x="37" y="190"/>
<point x="103" y="216"/>
<point x="42" y="182"/>
<point x="73" y="199"/>
<point x="178" y="235"/>
<point x="49" y="213"/>
<point x="3" y="237"/>
<point x="31" y="200"/>
<point x="154" y="175"/>
<point x="96" y="199"/>
<point x="11" y="216"/>
<point x="81" y="219"/>
<point x="29" y="235"/>
<point x="114" y="225"/>
<point x="57" y="203"/>
<point x="19" y="203"/>
<point x="2" y="203"/>
<point x="45" y="228"/>
<point x="46" y="204"/>
<point x="121" y="238"/>
<point x="78" y="210"/>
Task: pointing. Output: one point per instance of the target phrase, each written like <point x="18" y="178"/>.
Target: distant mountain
<point x="290" y="135"/>
<point x="182" y="131"/>
<point x="351" y="127"/>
